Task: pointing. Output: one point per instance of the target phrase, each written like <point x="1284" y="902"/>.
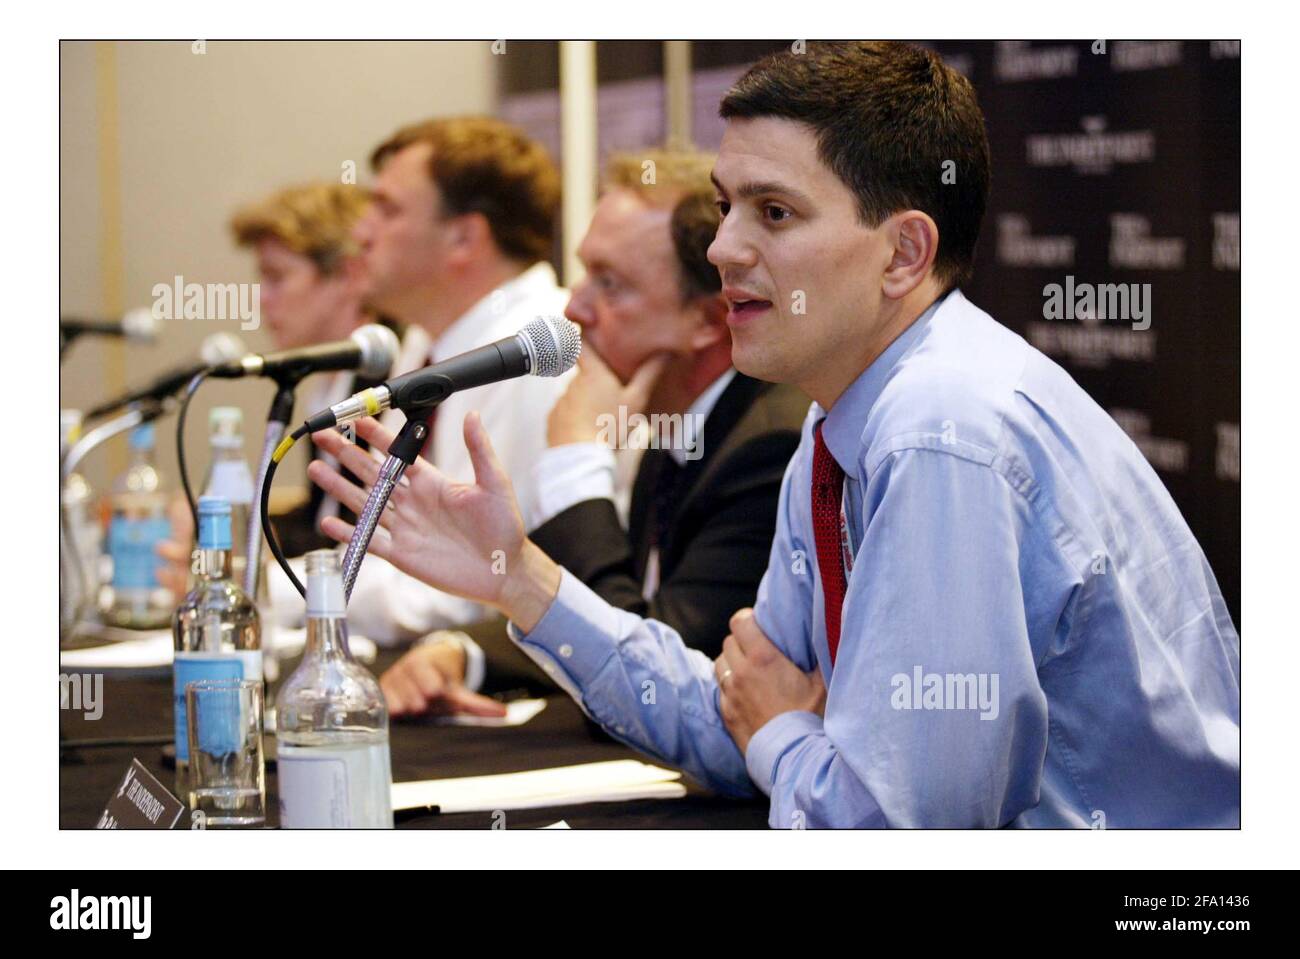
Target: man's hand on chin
<point x="758" y="683"/>
<point x="595" y="392"/>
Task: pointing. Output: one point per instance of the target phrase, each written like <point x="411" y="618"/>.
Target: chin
<point x="752" y="362"/>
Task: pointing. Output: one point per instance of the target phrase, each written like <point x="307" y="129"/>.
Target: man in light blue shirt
<point x="981" y="606"/>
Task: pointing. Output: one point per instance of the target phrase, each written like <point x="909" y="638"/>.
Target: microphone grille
<point x="553" y="345"/>
<point x="378" y="345"/>
<point x="141" y="325"/>
<point x="221" y="348"/>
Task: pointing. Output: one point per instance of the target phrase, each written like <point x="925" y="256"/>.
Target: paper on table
<point x="151" y="650"/>
<point x="154" y="649"/>
<point x="517" y="713"/>
<point x="614" y="781"/>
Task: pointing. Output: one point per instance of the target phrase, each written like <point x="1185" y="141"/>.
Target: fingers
<point x="721" y="670"/>
<point x="381" y="543"/>
<point x="414" y="685"/>
<point x="174" y="573"/>
<point x="488" y="471"/>
<point x="349" y="455"/>
<point x="401" y="694"/>
<point x="461" y="700"/>
<point x="182" y="520"/>
<point x="749" y="637"/>
<point x="332" y="482"/>
<point x="370" y="430"/>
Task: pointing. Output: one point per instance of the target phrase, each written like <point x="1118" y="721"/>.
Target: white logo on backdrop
<point x="1017" y="246"/>
<point x="1093" y="151"/>
<point x="1132" y="247"/>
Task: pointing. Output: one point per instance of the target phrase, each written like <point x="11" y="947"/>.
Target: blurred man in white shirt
<point x="454" y="245"/>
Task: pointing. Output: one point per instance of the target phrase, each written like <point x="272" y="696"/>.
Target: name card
<point x="141" y="802"/>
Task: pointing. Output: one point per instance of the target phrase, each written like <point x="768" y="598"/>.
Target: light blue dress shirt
<point x="1031" y="634"/>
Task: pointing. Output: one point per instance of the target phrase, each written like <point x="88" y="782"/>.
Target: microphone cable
<point x="268" y="529"/>
<point x="190" y="390"/>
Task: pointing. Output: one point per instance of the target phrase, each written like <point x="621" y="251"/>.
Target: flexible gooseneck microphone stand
<point x="401" y="454"/>
<point x="137" y="414"/>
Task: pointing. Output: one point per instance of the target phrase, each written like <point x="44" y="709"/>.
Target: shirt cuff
<point x="475" y="660"/>
<point x="575" y="637"/>
<point x="770" y="743"/>
<point x="567" y="475"/>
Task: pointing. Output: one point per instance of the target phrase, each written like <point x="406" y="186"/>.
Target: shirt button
<point x="566" y="650"/>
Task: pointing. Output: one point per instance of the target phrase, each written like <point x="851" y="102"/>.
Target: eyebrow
<point x="753" y="188"/>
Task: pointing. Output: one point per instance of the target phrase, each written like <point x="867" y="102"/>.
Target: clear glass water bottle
<point x="217" y="630"/>
<point x="139" y="523"/>
<point x="81" y="539"/>
<point x="332" y="725"/>
<point x="230" y="478"/>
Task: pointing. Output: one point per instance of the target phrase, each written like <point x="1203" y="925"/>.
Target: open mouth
<point x="742" y="310"/>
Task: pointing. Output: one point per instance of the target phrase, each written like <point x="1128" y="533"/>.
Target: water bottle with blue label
<point x="230" y="477"/>
<point x="139" y="523"/>
<point x="217" y="630"/>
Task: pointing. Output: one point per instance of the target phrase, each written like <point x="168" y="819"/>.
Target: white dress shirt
<point x="387" y="605"/>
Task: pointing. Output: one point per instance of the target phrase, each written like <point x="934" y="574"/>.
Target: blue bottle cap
<point x="142" y="437"/>
<point x="214" y="522"/>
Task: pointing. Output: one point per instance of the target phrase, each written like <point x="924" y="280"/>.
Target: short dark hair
<point x="888" y="118"/>
<point x="484" y="165"/>
<point x="694" y="225"/>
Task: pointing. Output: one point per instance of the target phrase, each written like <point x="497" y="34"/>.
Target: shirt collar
<point x="479" y="324"/>
<point x="842" y="430"/>
<point x="698" y="413"/>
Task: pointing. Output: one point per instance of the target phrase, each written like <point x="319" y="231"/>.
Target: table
<point x="139" y="705"/>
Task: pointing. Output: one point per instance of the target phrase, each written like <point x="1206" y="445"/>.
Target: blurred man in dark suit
<point x="656" y="398"/>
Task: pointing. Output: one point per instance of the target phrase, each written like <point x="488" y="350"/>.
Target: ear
<point x="708" y="322"/>
<point x="467" y="238"/>
<point x="352" y="272"/>
<point x="915" y="238"/>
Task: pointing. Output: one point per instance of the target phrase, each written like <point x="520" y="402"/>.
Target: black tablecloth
<point x="139" y="705"/>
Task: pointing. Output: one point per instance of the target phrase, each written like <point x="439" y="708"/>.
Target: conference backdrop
<point x="1113" y="238"/>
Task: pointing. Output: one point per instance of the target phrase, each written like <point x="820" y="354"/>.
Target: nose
<point x="729" y="247"/>
<point x="579" y="307"/>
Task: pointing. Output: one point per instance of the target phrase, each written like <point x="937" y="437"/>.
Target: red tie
<point x="827" y="491"/>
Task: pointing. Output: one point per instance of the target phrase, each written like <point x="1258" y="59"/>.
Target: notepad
<point x="618" y="780"/>
<point x="153" y="650"/>
<point x="517" y="713"/>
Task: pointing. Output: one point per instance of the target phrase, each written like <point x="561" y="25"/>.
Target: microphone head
<point x="141" y="325"/>
<point x="553" y="344"/>
<point x="221" y="348"/>
<point x="378" y="345"/>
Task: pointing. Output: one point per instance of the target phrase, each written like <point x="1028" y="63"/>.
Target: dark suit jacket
<point x="721" y="523"/>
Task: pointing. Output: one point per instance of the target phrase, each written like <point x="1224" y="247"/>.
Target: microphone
<point x="370" y="350"/>
<point x="139" y="325"/>
<point x="215" y="349"/>
<point x="548" y="346"/>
